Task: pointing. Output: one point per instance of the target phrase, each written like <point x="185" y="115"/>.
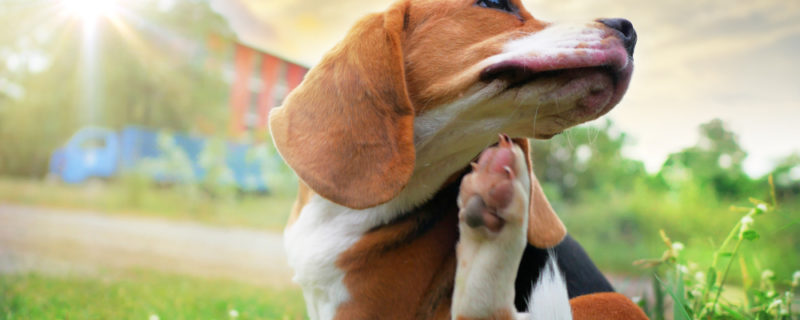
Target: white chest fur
<point x="313" y="243"/>
<point x="323" y="231"/>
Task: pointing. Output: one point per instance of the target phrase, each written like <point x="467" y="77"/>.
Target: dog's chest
<point x="313" y="243"/>
<point x="349" y="270"/>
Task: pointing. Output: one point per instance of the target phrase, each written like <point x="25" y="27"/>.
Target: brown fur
<point x="353" y="147"/>
<point x="407" y="267"/>
<point x="605" y="306"/>
<point x="359" y="152"/>
<point x="405" y="270"/>
<point x="356" y="149"/>
<point x="347" y="131"/>
<point x="545" y="229"/>
<point x="449" y="36"/>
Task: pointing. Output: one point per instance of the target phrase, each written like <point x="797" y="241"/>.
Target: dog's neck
<point x="446" y="139"/>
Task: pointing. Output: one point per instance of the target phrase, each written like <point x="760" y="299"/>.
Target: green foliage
<point x="154" y="69"/>
<point x="586" y="160"/>
<point x="612" y="206"/>
<point x="716" y="162"/>
<point x="282" y="180"/>
<point x="142" y="295"/>
<point x="699" y="293"/>
<point x="786" y="174"/>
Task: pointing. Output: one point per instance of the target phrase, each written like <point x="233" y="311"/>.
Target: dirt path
<point x="53" y="241"/>
<point x="60" y="241"/>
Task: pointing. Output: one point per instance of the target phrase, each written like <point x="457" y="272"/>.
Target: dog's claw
<point x="509" y="172"/>
<point x="505" y="141"/>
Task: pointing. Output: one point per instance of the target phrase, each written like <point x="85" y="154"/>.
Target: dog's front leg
<point x="493" y="221"/>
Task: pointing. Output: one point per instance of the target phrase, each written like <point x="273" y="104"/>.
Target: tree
<point x="153" y="66"/>
<point x="586" y="160"/>
<point x="787" y="178"/>
<point x="715" y="162"/>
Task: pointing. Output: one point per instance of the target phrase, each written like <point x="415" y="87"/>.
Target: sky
<point x="696" y="60"/>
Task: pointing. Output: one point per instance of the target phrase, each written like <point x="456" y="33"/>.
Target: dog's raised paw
<point x="493" y="194"/>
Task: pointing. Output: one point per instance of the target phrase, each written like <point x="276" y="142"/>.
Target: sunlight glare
<point x="89" y="9"/>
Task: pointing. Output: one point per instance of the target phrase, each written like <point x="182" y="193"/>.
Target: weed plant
<point x="705" y="292"/>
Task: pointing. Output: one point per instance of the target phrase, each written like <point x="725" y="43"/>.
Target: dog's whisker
<point x="596" y="135"/>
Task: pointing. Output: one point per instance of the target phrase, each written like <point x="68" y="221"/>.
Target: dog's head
<point x="349" y="129"/>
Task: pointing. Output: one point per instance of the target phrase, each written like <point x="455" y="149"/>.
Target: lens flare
<point x="89" y="9"/>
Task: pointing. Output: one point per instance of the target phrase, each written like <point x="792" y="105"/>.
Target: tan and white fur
<point x="393" y="115"/>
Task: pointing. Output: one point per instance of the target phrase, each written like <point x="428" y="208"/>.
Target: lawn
<point x="146" y="294"/>
<point x="138" y="294"/>
<point x="616" y="229"/>
<point x="134" y="197"/>
<point x="621" y="230"/>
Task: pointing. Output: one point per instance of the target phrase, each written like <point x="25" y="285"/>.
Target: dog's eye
<point x="496" y="4"/>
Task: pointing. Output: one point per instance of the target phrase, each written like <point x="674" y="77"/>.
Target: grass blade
<point x="679" y="306"/>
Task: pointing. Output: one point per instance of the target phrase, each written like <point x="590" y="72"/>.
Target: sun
<point x="89" y="9"/>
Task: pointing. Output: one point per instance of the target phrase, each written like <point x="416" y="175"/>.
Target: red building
<point x="260" y="82"/>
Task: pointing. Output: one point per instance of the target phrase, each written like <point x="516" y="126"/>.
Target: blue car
<point x="91" y="152"/>
<point x="95" y="152"/>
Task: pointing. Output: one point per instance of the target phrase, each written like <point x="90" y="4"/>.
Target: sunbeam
<point x="89" y="9"/>
<point x="90" y="12"/>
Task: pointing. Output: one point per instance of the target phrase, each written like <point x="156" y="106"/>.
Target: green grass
<point x="705" y="290"/>
<point x="624" y="227"/>
<point x="134" y="197"/>
<point x="616" y="229"/>
<point x="139" y="295"/>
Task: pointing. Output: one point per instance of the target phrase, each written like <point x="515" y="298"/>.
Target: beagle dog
<point x="389" y="223"/>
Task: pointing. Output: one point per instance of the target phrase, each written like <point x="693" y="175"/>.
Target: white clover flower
<point x="796" y="279"/>
<point x="767" y="274"/>
<point x="775" y="304"/>
<point x="153" y="317"/>
<point x="747" y="222"/>
<point x="682" y="269"/>
<point x="700" y="277"/>
<point x="762" y="207"/>
<point x="233" y="313"/>
<point x="677" y="247"/>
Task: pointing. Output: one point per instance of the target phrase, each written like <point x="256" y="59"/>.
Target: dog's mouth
<point x="584" y="89"/>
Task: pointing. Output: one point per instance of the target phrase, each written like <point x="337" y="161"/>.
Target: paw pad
<point x="490" y="187"/>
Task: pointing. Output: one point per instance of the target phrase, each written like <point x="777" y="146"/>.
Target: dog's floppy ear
<point x="347" y="130"/>
<point x="545" y="229"/>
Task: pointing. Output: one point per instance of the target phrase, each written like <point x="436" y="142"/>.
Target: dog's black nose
<point x="625" y="28"/>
